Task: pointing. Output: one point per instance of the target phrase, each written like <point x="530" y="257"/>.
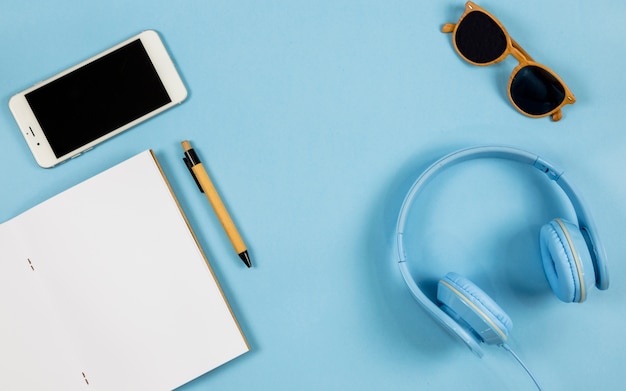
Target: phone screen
<point x="98" y="98"/>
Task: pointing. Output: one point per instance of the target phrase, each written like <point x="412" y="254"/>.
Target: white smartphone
<point x="69" y="113"/>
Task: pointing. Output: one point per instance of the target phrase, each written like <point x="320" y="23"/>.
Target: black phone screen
<point x="98" y="98"/>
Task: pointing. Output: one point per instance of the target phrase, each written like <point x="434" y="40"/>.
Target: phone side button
<point x="80" y="153"/>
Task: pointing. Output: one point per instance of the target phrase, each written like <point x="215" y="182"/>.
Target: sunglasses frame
<point x="515" y="50"/>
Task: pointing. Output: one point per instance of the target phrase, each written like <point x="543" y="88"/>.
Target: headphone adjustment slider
<point x="547" y="169"/>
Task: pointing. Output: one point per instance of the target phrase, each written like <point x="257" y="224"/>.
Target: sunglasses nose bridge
<point x="520" y="55"/>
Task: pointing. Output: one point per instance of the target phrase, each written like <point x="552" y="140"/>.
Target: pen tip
<point x="245" y="258"/>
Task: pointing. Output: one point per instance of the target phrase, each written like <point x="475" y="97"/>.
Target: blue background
<point x="314" y="118"/>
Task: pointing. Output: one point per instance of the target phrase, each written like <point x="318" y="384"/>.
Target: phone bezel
<point x="36" y="138"/>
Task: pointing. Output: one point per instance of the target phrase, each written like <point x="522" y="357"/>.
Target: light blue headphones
<point x="572" y="255"/>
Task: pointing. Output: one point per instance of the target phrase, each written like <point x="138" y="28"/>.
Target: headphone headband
<point x="585" y="223"/>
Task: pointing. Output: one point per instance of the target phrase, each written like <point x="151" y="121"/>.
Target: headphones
<point x="573" y="258"/>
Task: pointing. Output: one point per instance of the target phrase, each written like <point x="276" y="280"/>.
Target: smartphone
<point x="71" y="112"/>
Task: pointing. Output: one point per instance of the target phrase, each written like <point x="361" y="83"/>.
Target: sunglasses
<point x="534" y="89"/>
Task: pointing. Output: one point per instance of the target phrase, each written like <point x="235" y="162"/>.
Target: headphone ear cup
<point x="566" y="260"/>
<point x="467" y="304"/>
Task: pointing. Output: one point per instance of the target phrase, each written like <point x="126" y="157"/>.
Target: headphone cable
<point x="519" y="360"/>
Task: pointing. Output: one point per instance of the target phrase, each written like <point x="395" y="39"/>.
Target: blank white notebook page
<point x="128" y="281"/>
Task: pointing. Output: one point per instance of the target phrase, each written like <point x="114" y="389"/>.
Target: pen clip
<point x="189" y="165"/>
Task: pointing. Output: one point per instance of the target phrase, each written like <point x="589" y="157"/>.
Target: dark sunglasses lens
<point x="536" y="91"/>
<point x="479" y="38"/>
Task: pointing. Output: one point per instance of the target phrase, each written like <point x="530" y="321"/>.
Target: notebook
<point x="105" y="287"/>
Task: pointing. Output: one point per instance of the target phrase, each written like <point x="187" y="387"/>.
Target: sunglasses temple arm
<point x="524" y="55"/>
<point x="448" y="28"/>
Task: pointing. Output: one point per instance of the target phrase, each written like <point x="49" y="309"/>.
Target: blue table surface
<point x="314" y="118"/>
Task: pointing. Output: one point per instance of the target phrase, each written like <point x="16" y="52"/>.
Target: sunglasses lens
<point x="536" y="91"/>
<point x="479" y="38"/>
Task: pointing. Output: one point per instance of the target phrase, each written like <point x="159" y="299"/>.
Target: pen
<point x="206" y="186"/>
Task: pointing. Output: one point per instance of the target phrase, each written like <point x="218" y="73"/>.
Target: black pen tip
<point x="245" y="258"/>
